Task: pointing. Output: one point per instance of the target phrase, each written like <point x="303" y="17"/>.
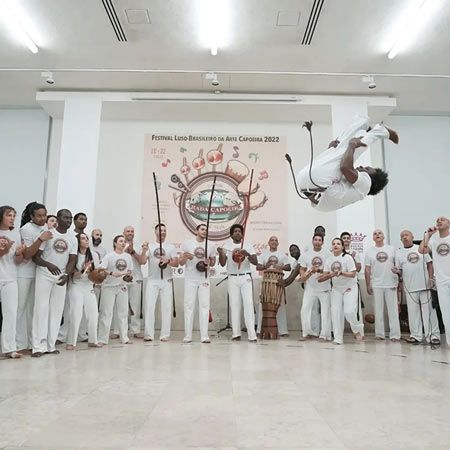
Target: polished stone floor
<point x="281" y="394"/>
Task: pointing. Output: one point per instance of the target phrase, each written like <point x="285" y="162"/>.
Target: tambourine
<point x="128" y="278"/>
<point x="201" y="266"/>
<point x="97" y="276"/>
<point x="238" y="256"/>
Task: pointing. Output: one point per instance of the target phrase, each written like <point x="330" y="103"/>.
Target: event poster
<point x="185" y="166"/>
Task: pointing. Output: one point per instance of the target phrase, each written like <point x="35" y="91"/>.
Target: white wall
<point x="119" y="172"/>
<point x="23" y="154"/>
<point x="419" y="186"/>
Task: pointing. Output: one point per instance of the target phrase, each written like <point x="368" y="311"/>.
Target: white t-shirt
<point x="381" y="261"/>
<point x="99" y="250"/>
<point x="276" y="258"/>
<point x="414" y="268"/>
<point x="57" y="249"/>
<point x="343" y="193"/>
<point x="79" y="267"/>
<point x="440" y="249"/>
<point x="29" y="233"/>
<point x="198" y="250"/>
<point x="232" y="267"/>
<point x="8" y="266"/>
<point x="317" y="259"/>
<point x="115" y="262"/>
<point x="154" y="271"/>
<point x="342" y="263"/>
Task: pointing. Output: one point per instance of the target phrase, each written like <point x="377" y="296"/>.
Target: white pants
<point x="415" y="300"/>
<point x="113" y="295"/>
<point x="64" y="328"/>
<point x="388" y="295"/>
<point x="82" y="300"/>
<point x="193" y="288"/>
<point x="315" y="318"/>
<point x="48" y="309"/>
<point x="8" y="298"/>
<point x="444" y="303"/>
<point x="309" y="298"/>
<point x="326" y="168"/>
<point x="345" y="305"/>
<point x="134" y="297"/>
<point x="163" y="288"/>
<point x="241" y="288"/>
<point x="25" y="308"/>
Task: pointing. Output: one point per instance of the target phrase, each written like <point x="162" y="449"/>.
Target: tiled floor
<point x="281" y="394"/>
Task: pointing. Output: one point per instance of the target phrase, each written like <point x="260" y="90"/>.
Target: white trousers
<point x="414" y="301"/>
<point x="309" y="299"/>
<point x="344" y="305"/>
<point x="25" y="308"/>
<point x="444" y="303"/>
<point x="240" y="292"/>
<point x="82" y="300"/>
<point x="316" y="318"/>
<point x="48" y="309"/>
<point x="281" y="318"/>
<point x="388" y="296"/>
<point x="192" y="289"/>
<point x="9" y="300"/>
<point x="163" y="289"/>
<point x="64" y="328"/>
<point x="113" y="296"/>
<point x="134" y="297"/>
<point x="326" y="168"/>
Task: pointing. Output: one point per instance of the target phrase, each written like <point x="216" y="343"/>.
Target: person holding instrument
<point x="161" y="257"/>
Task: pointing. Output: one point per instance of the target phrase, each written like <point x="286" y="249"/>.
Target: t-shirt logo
<point x="157" y="253"/>
<point x="199" y="253"/>
<point x="317" y="262"/>
<point x="336" y="266"/>
<point x="382" y="257"/>
<point x="443" y="249"/>
<point x="121" y="265"/>
<point x="412" y="257"/>
<point x="272" y="261"/>
<point x="60" y="246"/>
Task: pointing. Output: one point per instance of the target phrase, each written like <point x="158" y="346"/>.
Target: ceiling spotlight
<point x="212" y="76"/>
<point x="370" y="81"/>
<point x="48" y="77"/>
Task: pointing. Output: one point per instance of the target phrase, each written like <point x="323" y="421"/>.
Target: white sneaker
<point x="187" y="340"/>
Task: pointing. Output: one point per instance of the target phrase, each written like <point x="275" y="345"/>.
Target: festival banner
<point x="185" y="166"/>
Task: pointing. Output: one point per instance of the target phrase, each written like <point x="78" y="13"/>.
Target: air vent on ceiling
<point x="138" y="16"/>
<point x="312" y="22"/>
<point x="288" y="18"/>
<point x="114" y="19"/>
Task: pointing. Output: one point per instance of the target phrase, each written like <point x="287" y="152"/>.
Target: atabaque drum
<point x="272" y="294"/>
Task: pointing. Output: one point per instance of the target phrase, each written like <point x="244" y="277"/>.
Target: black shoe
<point x="54" y="352"/>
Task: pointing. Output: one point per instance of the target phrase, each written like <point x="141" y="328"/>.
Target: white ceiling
<point x="76" y="37"/>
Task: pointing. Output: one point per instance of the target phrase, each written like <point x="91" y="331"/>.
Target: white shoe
<point x="187" y="340"/>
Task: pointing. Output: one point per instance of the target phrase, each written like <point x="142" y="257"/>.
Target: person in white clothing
<point x="81" y="295"/>
<point x="195" y="282"/>
<point x="135" y="292"/>
<point x="33" y="232"/>
<point x="272" y="258"/>
<point x="238" y="257"/>
<point x="97" y="247"/>
<point x="333" y="182"/>
<point x="56" y="261"/>
<point x="347" y="240"/>
<point x="382" y="282"/>
<point x="80" y="222"/>
<point x="437" y="242"/>
<point x="340" y="268"/>
<point x="11" y="254"/>
<point x="415" y="273"/>
<point x="310" y="268"/>
<point x="119" y="265"/>
<point x="52" y="221"/>
<point x="162" y="256"/>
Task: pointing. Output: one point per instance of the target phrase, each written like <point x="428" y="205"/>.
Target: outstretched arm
<point x="347" y="161"/>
